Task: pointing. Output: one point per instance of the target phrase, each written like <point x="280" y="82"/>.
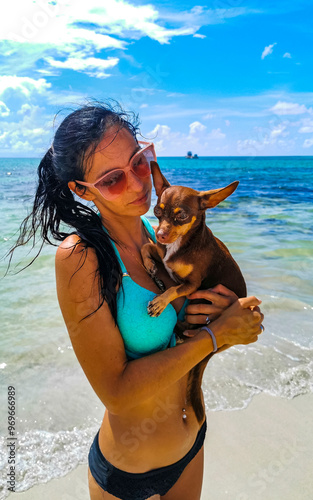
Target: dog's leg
<point x="160" y="302"/>
<point x="150" y="254"/>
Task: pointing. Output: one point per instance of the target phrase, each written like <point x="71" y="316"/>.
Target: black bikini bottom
<point x="139" y="486"/>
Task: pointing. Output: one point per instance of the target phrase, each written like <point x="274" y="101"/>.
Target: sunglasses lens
<point x="112" y="184"/>
<point x="141" y="163"/>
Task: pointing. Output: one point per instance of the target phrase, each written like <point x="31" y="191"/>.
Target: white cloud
<point x="165" y="139"/>
<point x="34" y="133"/>
<point x="202" y="16"/>
<point x="3" y="136"/>
<point x="57" y="25"/>
<point x="249" y="146"/>
<point x="57" y="29"/>
<point x="289" y="108"/>
<point x="160" y="131"/>
<point x="268" y="50"/>
<point x="110" y="20"/>
<point x="247" y="107"/>
<point x="146" y="90"/>
<point x="196" y="128"/>
<point x="143" y="106"/>
<point x="4" y="110"/>
<point x="26" y="108"/>
<point x="92" y="66"/>
<point x="308" y="143"/>
<point x="159" y="146"/>
<point x="278" y="130"/>
<point x="119" y="17"/>
<point x="268" y="139"/>
<point x="227" y="123"/>
<point x="287" y="54"/>
<point x="306" y="126"/>
<point x="31" y="132"/>
<point x="22" y="147"/>
<point x="23" y="83"/>
<point x="64" y="97"/>
<point x="306" y="130"/>
<point x="197" y="35"/>
<point x="175" y="94"/>
<point x="216" y="134"/>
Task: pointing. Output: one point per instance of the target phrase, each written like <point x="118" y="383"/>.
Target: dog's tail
<point x="194" y="388"/>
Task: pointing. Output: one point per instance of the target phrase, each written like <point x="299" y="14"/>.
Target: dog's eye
<point x="181" y="216"/>
<point x="157" y="211"/>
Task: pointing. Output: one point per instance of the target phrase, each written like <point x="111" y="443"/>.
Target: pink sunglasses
<point x="113" y="183"/>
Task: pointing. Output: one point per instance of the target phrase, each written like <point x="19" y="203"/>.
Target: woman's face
<point x="115" y="151"/>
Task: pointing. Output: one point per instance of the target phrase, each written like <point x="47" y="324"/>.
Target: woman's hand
<point x="240" y="323"/>
<point x="219" y="296"/>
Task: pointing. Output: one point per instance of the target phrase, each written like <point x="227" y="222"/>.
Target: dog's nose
<point x="162" y="235"/>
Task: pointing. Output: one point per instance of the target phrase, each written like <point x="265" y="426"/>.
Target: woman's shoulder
<point x="71" y="249"/>
<point x="72" y="244"/>
<point x="70" y="241"/>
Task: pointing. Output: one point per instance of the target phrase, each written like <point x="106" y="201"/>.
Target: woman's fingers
<point x="219" y="298"/>
<point x="197" y="314"/>
<point x="246" y="302"/>
<point x="199" y="319"/>
<point x="257" y="316"/>
<point x="216" y="298"/>
<point x="221" y="289"/>
<point x="191" y="333"/>
<point x="253" y="339"/>
<point x="202" y="309"/>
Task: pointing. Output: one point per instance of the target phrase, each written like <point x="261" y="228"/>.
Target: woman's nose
<point x="134" y="182"/>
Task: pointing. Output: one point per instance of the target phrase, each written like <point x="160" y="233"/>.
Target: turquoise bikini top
<point x="141" y="333"/>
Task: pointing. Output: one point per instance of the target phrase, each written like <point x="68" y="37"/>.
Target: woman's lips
<point x="141" y="200"/>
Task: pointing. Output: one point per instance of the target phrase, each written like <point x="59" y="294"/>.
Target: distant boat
<point x="191" y="156"/>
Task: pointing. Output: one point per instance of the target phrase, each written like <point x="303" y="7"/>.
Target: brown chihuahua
<point x="191" y="254"/>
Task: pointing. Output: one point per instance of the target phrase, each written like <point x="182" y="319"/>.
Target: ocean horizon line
<point x="177" y="156"/>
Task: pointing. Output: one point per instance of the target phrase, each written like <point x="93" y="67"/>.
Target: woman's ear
<point x="81" y="191"/>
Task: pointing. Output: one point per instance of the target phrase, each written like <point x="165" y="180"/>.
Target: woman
<point x="150" y="444"/>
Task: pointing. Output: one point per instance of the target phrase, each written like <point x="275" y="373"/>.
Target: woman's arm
<point x="121" y="384"/>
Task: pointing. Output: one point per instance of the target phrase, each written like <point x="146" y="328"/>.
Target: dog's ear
<point x="209" y="199"/>
<point x="159" y="181"/>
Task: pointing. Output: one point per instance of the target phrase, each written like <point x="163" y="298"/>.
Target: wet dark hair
<point x="67" y="159"/>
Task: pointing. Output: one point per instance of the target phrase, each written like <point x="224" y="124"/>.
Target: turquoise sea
<point x="267" y="225"/>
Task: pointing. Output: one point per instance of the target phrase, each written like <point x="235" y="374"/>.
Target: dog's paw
<point x="157" y="306"/>
<point x="179" y="340"/>
<point x="150" y="267"/>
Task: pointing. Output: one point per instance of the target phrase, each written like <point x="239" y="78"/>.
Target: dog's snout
<point x="162" y="235"/>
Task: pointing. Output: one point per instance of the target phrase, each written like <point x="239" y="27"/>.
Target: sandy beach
<point x="261" y="452"/>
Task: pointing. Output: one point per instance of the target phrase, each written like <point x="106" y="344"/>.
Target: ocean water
<point x="268" y="226"/>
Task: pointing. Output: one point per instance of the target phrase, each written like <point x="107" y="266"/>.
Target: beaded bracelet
<point x="212" y="337"/>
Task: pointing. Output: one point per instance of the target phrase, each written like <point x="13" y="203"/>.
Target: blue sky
<point x="228" y="77"/>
